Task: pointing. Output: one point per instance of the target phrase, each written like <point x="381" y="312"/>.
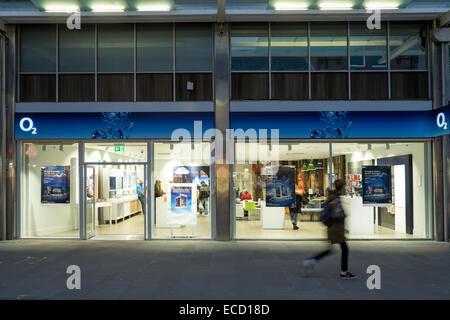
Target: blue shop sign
<point x="312" y="125"/>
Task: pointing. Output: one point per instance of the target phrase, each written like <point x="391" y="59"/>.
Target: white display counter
<point x="359" y="219"/>
<point x="272" y="217"/>
<point x="120" y="207"/>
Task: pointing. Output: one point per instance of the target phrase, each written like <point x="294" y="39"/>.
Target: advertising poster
<point x="280" y="186"/>
<point x="55" y="184"/>
<point x="183" y="204"/>
<point x="191" y="174"/>
<point x="377" y="186"/>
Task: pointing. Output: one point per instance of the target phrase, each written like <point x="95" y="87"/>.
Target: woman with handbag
<point x="300" y="199"/>
<point x="336" y="232"/>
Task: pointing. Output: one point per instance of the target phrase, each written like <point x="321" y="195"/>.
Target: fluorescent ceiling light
<point x="372" y="5"/>
<point x="326" y="5"/>
<point x="162" y="7"/>
<point x="107" y="8"/>
<point x="61" y="8"/>
<point x="290" y="6"/>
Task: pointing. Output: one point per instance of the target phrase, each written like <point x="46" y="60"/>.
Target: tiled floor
<point x="245" y="229"/>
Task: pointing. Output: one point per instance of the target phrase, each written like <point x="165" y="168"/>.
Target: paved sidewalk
<point x="189" y="270"/>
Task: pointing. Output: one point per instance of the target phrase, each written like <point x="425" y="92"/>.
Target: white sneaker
<point x="308" y="265"/>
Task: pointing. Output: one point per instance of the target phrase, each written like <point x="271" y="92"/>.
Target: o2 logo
<point x="441" y="121"/>
<point x="26" y="124"/>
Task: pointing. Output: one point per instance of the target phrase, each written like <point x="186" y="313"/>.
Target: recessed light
<point x="61" y="8"/>
<point x="153" y="7"/>
<point x="107" y="8"/>
<point x="374" y="5"/>
<point x="290" y="6"/>
<point x="327" y="5"/>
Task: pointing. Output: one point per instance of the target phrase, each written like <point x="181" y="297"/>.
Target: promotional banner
<point x="191" y="174"/>
<point x="183" y="204"/>
<point x="55" y="184"/>
<point x="280" y="186"/>
<point x="377" y="186"/>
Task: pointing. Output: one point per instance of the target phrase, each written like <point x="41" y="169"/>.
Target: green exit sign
<point x="119" y="148"/>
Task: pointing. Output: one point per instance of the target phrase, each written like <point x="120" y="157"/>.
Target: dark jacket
<point x="336" y="232"/>
<point x="204" y="193"/>
<point x="299" y="201"/>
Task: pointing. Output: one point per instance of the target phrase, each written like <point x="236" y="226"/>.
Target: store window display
<point x="49" y="190"/>
<point x="182" y="203"/>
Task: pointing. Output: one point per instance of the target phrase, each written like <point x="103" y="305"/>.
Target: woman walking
<point x="336" y="232"/>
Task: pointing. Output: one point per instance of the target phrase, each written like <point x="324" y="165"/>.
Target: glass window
<point x="249" y="47"/>
<point x="183" y="203"/>
<point x="154" y="47"/>
<point x="77" y="49"/>
<point x="116" y="152"/>
<point x="38" y="48"/>
<point x="407" y="48"/>
<point x="328" y="46"/>
<point x="193" y="47"/>
<point x="389" y="199"/>
<point x="367" y="47"/>
<point x="289" y="46"/>
<point x="115" y="47"/>
<point x="49" y="205"/>
<point x="279" y="191"/>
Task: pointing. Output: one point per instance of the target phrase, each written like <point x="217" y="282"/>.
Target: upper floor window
<point x="407" y="46"/>
<point x="289" y="46"/>
<point x="367" y="47"/>
<point x="249" y="47"/>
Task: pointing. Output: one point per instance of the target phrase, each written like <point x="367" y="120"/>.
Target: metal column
<point x="3" y="137"/>
<point x="10" y="156"/>
<point x="222" y="123"/>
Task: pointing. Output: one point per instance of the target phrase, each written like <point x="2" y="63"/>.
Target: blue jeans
<point x="204" y="203"/>
<point x="294" y="217"/>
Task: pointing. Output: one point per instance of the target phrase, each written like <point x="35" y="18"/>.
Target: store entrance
<point x="115" y="202"/>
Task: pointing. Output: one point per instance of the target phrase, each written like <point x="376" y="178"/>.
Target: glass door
<point x="90" y="193"/>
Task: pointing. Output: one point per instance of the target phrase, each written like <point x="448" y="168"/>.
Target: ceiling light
<point x="107" y="8"/>
<point x="326" y="5"/>
<point x="162" y="7"/>
<point x="61" y="8"/>
<point x="373" y="5"/>
<point x="290" y="6"/>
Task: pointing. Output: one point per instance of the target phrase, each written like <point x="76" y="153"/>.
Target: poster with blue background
<point x="377" y="185"/>
<point x="280" y="186"/>
<point x="55" y="184"/>
<point x="181" y="199"/>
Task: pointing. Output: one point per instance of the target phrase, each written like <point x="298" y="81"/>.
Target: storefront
<point x="276" y="159"/>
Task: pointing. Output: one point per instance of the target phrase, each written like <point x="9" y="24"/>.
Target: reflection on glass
<point x="407" y="51"/>
<point x="116" y="152"/>
<point x="249" y="47"/>
<point x="77" y="49"/>
<point x="328" y="46"/>
<point x="193" y="50"/>
<point x="115" y="47"/>
<point x="154" y="46"/>
<point x="37" y="48"/>
<point x="367" y="47"/>
<point x="289" y="46"/>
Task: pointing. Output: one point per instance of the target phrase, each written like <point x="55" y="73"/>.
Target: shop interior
<point x="50" y="184"/>
<point x="407" y="217"/>
<point x="185" y="164"/>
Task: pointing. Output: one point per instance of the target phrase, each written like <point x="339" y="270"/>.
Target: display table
<point x="312" y="212"/>
<point x="103" y="204"/>
<point x="359" y="219"/>
<point x="272" y="217"/>
<point x="120" y="208"/>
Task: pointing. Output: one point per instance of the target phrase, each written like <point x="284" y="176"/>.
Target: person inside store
<point x="319" y="192"/>
<point x="336" y="232"/>
<point x="203" y="197"/>
<point x="158" y="189"/>
<point x="300" y="200"/>
<point x="246" y="196"/>
<point x="141" y="194"/>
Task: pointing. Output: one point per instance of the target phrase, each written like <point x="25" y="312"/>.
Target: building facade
<point x="154" y="121"/>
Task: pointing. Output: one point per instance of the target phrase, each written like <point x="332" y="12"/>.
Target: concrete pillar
<point x="10" y="156"/>
<point x="223" y="219"/>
